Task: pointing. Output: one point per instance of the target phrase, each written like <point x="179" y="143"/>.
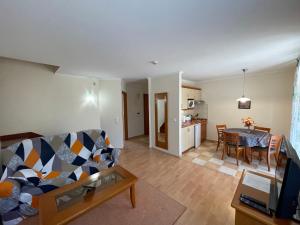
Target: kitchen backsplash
<point x="200" y="109"/>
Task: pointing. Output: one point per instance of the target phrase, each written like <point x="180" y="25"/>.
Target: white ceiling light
<point x="154" y="62"/>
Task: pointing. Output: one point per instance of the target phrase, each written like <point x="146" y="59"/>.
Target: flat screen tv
<point x="285" y="190"/>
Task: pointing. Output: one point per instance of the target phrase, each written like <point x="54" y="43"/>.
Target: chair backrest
<point x="220" y="130"/>
<point x="231" y="138"/>
<point x="264" y="129"/>
<point x="274" y="144"/>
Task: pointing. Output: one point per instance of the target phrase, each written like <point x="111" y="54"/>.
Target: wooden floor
<point x="206" y="193"/>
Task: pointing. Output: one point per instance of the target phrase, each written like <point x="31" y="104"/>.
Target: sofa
<point x="36" y="166"/>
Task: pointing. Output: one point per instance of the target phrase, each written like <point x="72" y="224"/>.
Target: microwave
<point x="191" y="103"/>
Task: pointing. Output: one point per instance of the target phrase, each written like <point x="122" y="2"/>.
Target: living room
<point x="149" y="112"/>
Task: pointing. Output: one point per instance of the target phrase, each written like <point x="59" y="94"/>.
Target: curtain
<point x="295" y="125"/>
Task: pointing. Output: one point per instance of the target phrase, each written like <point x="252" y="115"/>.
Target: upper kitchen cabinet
<point x="189" y="93"/>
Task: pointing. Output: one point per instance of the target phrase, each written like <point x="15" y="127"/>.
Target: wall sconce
<point x="89" y="98"/>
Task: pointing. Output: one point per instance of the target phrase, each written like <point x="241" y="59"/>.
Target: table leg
<point x="132" y="195"/>
<point x="246" y="155"/>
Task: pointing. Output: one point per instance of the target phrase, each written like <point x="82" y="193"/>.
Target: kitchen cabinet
<point x="203" y="130"/>
<point x="187" y="138"/>
<point x="189" y="93"/>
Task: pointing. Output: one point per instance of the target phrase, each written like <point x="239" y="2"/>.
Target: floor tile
<point x="192" y="154"/>
<point x="230" y="160"/>
<point x="216" y="161"/>
<point x="199" y="161"/>
<point x="212" y="166"/>
<point x="243" y="167"/>
<point x="227" y="170"/>
<point x="208" y="154"/>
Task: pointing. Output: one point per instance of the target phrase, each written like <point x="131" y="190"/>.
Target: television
<point x="285" y="190"/>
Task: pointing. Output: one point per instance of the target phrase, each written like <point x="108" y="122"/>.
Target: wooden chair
<point x="264" y="129"/>
<point x="273" y="149"/>
<point x="232" y="140"/>
<point x="220" y="130"/>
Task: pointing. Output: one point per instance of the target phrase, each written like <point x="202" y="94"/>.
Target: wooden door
<point x="146" y="114"/>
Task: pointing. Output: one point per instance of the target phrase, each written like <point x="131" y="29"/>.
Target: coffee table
<point x="64" y="204"/>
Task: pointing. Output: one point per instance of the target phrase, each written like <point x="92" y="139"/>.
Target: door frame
<point x="125" y="114"/>
<point x="146" y="114"/>
<point x="163" y="145"/>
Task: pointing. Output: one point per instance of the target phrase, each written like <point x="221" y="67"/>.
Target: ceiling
<point x="117" y="38"/>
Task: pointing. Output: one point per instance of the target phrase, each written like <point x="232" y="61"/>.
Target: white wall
<point x="33" y="98"/>
<point x="135" y="107"/>
<point x="123" y="84"/>
<point x="110" y="104"/>
<point x="170" y="84"/>
<point x="271" y="95"/>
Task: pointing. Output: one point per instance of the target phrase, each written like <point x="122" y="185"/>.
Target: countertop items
<point x="193" y="122"/>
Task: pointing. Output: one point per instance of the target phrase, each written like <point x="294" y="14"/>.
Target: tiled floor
<point x="207" y="156"/>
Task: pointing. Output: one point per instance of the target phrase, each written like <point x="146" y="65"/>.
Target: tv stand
<point x="245" y="215"/>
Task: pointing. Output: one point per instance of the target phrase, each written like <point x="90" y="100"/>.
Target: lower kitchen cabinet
<point x="187" y="138"/>
<point x="203" y="130"/>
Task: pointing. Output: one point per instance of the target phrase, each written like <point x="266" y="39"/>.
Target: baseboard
<point x="138" y="136"/>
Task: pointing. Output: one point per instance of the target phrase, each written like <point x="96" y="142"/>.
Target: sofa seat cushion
<point x="27" y="176"/>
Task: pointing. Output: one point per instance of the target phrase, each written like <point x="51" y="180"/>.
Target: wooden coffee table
<point x="64" y="204"/>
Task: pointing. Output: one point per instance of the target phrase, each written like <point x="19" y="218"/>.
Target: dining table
<point x="251" y="138"/>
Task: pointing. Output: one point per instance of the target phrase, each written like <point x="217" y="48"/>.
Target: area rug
<point x="152" y="207"/>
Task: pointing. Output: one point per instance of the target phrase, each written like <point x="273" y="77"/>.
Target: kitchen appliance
<point x="191" y="103"/>
<point x="197" y="133"/>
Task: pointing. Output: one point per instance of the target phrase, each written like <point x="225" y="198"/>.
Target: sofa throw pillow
<point x="9" y="188"/>
<point x="27" y="176"/>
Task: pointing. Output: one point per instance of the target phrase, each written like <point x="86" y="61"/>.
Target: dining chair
<point x="272" y="150"/>
<point x="220" y="130"/>
<point x="264" y="129"/>
<point x="232" y="140"/>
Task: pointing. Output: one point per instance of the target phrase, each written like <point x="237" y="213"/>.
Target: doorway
<point x="137" y="110"/>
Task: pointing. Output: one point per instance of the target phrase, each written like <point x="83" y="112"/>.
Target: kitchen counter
<point x="193" y="122"/>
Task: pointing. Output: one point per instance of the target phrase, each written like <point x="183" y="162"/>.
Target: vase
<point x="248" y="131"/>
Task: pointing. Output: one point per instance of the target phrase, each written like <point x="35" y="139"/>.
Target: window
<point x="295" y="127"/>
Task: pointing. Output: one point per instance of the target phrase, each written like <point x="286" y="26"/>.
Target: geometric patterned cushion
<point x="81" y="145"/>
<point x="27" y="176"/>
<point x="35" y="166"/>
<point x="10" y="191"/>
<point x="6" y="189"/>
<point x="97" y="155"/>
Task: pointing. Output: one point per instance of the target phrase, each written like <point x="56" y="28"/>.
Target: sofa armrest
<point x="116" y="155"/>
<point x="111" y="155"/>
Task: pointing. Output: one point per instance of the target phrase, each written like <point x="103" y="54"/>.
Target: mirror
<point x="161" y="120"/>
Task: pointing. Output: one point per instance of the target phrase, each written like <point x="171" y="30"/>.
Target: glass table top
<point x="68" y="198"/>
